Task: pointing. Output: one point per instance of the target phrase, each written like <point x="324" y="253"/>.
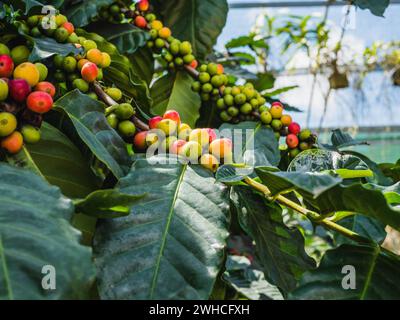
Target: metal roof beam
<point x="283" y="4"/>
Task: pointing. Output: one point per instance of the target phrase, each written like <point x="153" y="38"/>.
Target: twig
<point x="313" y="216"/>
<point x="111" y="102"/>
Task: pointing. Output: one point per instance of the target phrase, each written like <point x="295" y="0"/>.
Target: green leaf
<point x="255" y="142"/>
<point x="81" y="13"/>
<point x="342" y="139"/>
<point x="107" y="204"/>
<point x="279" y="91"/>
<point x="312" y="183"/>
<point x="199" y="22"/>
<point x="172" y="244"/>
<point x="379" y="177"/>
<point x="45" y="47"/>
<point x="35" y="232"/>
<point x="365" y="226"/>
<point x="90" y="123"/>
<point x="126" y="37"/>
<point x="316" y="160"/>
<point x="143" y="64"/>
<point x="279" y="248"/>
<point x="329" y="196"/>
<point x="264" y="81"/>
<point x="248" y="281"/>
<point x="378" y="8"/>
<point x="391" y="170"/>
<point x="233" y="175"/>
<point x="173" y="91"/>
<point x="376" y="275"/>
<point x="28" y="5"/>
<point x="60" y="162"/>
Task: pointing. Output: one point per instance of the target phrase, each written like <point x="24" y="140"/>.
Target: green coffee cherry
<point x="114" y="93"/>
<point x="229" y="100"/>
<point x="206" y="88"/>
<point x="124" y="111"/>
<point x="81" y="85"/>
<point x="233" y="111"/>
<point x="221" y="104"/>
<point x="212" y="69"/>
<point x="225" y="116"/>
<point x="203" y="68"/>
<point x="69" y="64"/>
<point x="246" y="108"/>
<point x="276" y="124"/>
<point x="305" y="135"/>
<point x="31" y="134"/>
<point x="153" y="34"/>
<point x="35" y="32"/>
<point x="112" y="120"/>
<point x="159" y="43"/>
<point x="61" y="35"/>
<point x="266" y="117"/>
<point x="240" y="99"/>
<point x="126" y="128"/>
<point x="196" y="86"/>
<point x="204" y="77"/>
<point x="185" y="48"/>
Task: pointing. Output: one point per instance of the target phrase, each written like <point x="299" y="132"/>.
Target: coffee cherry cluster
<point x="77" y="72"/>
<point x="240" y="103"/>
<point x="120" y="116"/>
<point x="297" y="140"/>
<point x="112" y="13"/>
<point x="168" y="134"/>
<point x="24" y="97"/>
<point x="211" y="81"/>
<point x="57" y="27"/>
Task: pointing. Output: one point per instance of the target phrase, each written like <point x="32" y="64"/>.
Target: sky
<point x="377" y="104"/>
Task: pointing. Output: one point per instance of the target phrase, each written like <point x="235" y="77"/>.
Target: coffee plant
<point x="133" y="163"/>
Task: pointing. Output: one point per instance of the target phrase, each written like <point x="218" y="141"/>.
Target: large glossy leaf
<point x="172" y="244"/>
<point x="198" y="21"/>
<point x="28" y="5"/>
<point x="316" y="160"/>
<point x="105" y="204"/>
<point x="378" y="8"/>
<point x="81" y="13"/>
<point x="87" y="117"/>
<point x="143" y="64"/>
<point x="173" y="91"/>
<point x="248" y="281"/>
<point x="319" y="160"/>
<point x="329" y="197"/>
<point x="279" y="248"/>
<point x="365" y="226"/>
<point x="376" y="275"/>
<point x="126" y="37"/>
<point x="35" y="232"/>
<point x="312" y="183"/>
<point x="60" y="162"/>
<point x="45" y="47"/>
<point x="255" y="142"/>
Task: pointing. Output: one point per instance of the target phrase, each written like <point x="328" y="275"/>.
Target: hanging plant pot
<point x="396" y="77"/>
<point x="338" y="80"/>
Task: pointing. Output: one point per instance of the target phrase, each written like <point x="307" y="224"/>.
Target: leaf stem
<point x="312" y="215"/>
<point x="353" y="174"/>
